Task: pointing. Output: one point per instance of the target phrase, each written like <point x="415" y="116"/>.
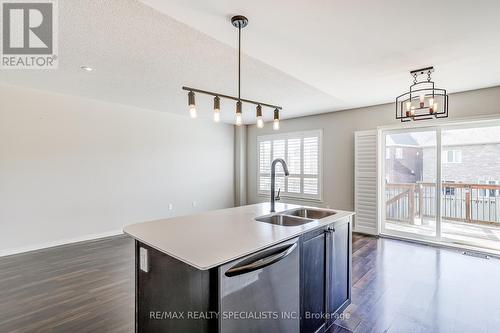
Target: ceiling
<point x="308" y="56"/>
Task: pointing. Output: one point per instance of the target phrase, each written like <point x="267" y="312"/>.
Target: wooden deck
<point x="461" y="202"/>
<point x="470" y="213"/>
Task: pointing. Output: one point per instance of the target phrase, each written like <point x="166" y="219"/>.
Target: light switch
<point x="143" y="259"/>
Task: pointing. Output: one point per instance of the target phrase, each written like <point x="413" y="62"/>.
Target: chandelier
<point x="423" y="101"/>
<point x="238" y="22"/>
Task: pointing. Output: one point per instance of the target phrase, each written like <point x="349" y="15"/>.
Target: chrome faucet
<point x="273" y="180"/>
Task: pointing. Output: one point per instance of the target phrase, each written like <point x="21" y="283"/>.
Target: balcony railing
<point x="469" y="203"/>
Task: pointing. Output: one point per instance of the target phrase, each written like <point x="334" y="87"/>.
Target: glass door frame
<point x="381" y="175"/>
<point x="438" y="128"/>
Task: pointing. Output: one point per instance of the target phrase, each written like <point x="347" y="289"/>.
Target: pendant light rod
<point x="199" y="91"/>
<point x="239" y="61"/>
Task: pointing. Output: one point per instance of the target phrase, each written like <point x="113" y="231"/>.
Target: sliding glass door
<point x="470" y="196"/>
<point x="443" y="184"/>
<point x="410" y="171"/>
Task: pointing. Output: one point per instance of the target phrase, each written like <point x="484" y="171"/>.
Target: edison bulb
<point x="192" y="111"/>
<point x="239" y="121"/>
<point x="276" y="124"/>
<point x="216" y="116"/>
<point x="260" y="122"/>
<point x="408" y="106"/>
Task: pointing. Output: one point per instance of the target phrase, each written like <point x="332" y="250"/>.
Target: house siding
<point x="480" y="163"/>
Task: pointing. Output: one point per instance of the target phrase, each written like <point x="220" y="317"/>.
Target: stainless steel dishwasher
<point x="260" y="292"/>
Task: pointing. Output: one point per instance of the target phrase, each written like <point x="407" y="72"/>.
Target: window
<point x="302" y="153"/>
<point x="399" y="153"/>
<point x="491" y="192"/>
<point x="452" y="156"/>
<point x="448" y="190"/>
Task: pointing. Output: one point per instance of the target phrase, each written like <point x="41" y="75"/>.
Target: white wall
<point x="240" y="165"/>
<point x="338" y="140"/>
<point x="73" y="168"/>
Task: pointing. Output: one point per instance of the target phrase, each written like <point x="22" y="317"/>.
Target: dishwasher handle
<point x="260" y="263"/>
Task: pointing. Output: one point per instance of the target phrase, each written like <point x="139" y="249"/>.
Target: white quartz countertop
<point x="213" y="238"/>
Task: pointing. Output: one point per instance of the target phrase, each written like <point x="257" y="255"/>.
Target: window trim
<point x="294" y="135"/>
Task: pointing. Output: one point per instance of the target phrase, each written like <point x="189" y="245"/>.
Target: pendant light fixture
<point x="276" y="123"/>
<point x="239" y="120"/>
<point x="216" y="109"/>
<point x="238" y="22"/>
<point x="192" y="105"/>
<point x="260" y="122"/>
<point x="423" y="101"/>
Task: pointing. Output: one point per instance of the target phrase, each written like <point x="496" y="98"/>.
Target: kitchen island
<point x="224" y="271"/>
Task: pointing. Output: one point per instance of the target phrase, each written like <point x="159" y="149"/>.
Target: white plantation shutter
<point x="302" y="152"/>
<point x="294" y="160"/>
<point x="311" y="155"/>
<point x="264" y="165"/>
<point x="365" y="182"/>
<point x="279" y="148"/>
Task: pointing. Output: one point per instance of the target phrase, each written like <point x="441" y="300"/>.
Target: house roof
<point x="451" y="137"/>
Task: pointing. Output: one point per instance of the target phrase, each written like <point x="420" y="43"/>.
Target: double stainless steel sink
<point x="295" y="217"/>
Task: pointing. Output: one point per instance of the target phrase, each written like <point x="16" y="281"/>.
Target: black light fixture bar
<point x="238" y="22"/>
<point x="199" y="91"/>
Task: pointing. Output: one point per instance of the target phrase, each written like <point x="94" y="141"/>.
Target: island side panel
<point x="173" y="296"/>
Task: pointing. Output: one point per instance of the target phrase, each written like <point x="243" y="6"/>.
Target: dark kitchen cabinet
<point x="167" y="290"/>
<point x="325" y="275"/>
<point x="338" y="269"/>
<point x="313" y="281"/>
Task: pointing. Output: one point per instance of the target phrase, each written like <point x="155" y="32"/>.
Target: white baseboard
<point x="8" y="252"/>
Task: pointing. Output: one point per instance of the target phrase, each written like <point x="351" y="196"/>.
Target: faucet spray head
<point x="285" y="169"/>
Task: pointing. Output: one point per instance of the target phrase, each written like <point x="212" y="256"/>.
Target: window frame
<point x="455" y="153"/>
<point x="294" y="135"/>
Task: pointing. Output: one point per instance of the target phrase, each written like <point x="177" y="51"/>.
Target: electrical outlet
<point x="143" y="259"/>
<point x="170" y="206"/>
<point x="194" y="203"/>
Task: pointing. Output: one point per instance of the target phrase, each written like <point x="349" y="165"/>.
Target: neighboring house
<point x="403" y="159"/>
<point x="473" y="163"/>
<point x="468" y="156"/>
<point x="403" y="164"/>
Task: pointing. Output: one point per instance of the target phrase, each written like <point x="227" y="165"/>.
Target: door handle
<point x="260" y="263"/>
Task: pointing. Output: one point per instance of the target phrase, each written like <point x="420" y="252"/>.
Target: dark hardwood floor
<point x="398" y="287"/>
<point x="85" y="287"/>
<point x="405" y="287"/>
